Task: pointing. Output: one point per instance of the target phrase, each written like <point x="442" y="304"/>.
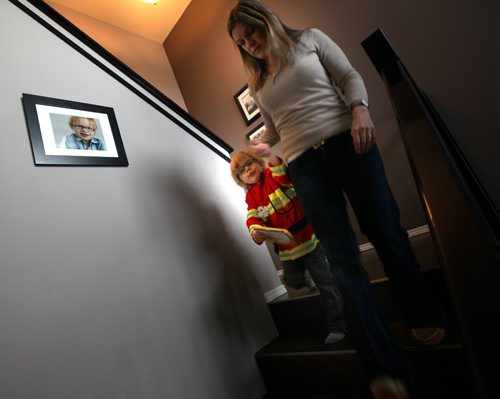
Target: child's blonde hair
<point x="236" y="164"/>
<point x="75" y="120"/>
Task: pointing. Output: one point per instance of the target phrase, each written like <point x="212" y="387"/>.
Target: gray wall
<point x="450" y="48"/>
<point x="136" y="282"/>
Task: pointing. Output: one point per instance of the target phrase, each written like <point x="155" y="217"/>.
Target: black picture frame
<point x="255" y="132"/>
<point x="48" y="125"/>
<point x="247" y="105"/>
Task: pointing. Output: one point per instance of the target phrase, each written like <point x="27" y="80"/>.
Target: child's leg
<point x="319" y="269"/>
<point x="294" y="274"/>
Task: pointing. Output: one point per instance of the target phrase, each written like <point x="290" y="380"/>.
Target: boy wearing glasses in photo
<point x="83" y="136"/>
<point x="272" y="202"/>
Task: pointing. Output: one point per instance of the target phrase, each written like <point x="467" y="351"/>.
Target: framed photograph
<point x="255" y="132"/>
<point x="247" y="105"/>
<point x="66" y="132"/>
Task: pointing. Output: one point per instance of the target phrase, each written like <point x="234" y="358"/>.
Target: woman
<point x="314" y="102"/>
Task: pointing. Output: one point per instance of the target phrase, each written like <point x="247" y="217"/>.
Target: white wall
<point x="136" y="282"/>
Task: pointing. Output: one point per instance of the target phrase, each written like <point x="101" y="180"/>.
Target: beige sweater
<point x="308" y="101"/>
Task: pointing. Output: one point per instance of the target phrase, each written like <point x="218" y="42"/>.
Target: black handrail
<point x="486" y="204"/>
<point x="382" y="55"/>
<point x="463" y="221"/>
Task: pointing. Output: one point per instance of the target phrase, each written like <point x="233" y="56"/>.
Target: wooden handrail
<point x="463" y="221"/>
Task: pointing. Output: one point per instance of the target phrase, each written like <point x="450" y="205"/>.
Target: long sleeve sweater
<point x="308" y="101"/>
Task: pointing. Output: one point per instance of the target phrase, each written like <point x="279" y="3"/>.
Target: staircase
<point x="298" y="365"/>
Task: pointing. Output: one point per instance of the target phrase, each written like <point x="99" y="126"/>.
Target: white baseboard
<point x="275" y="293"/>
<point x="411" y="233"/>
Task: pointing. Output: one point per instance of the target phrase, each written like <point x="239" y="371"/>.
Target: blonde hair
<point x="74" y="120"/>
<point x="236" y="164"/>
<point x="280" y="38"/>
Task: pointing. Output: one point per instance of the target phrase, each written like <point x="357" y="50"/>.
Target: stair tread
<point x="305" y="368"/>
<point x="312" y="344"/>
<point x="284" y="298"/>
<point x="304" y="343"/>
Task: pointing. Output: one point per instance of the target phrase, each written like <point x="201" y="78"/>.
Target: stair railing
<point x="464" y="222"/>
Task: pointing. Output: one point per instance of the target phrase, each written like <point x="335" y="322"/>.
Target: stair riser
<point x="303" y="376"/>
<point x="440" y="374"/>
<point x="306" y="315"/>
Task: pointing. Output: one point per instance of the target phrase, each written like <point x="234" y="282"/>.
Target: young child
<point x="272" y="202"/>
<point x="83" y="136"/>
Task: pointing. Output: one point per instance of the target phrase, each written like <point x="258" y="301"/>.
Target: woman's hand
<point x="261" y="150"/>
<point x="362" y="130"/>
<point x="259" y="237"/>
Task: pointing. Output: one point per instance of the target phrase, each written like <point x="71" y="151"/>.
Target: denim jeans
<point x="318" y="267"/>
<point x="322" y="178"/>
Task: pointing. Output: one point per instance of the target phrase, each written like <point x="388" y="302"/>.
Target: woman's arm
<point x="270" y="134"/>
<point x="336" y="63"/>
<point x="352" y="86"/>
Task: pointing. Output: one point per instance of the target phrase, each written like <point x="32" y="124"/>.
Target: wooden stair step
<point x="298" y="364"/>
<point x="306" y="314"/>
<point x="303" y="367"/>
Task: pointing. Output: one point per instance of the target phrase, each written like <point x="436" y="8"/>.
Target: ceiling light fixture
<point x="151" y="1"/>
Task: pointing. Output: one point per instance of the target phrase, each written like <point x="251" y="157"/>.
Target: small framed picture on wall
<point x="64" y="132"/>
<point x="247" y="105"/>
<point x="255" y="132"/>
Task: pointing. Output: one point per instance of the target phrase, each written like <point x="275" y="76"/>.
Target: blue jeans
<point x="321" y="178"/>
<point x="317" y="265"/>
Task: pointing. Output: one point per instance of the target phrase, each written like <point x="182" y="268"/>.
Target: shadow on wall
<point x="229" y="299"/>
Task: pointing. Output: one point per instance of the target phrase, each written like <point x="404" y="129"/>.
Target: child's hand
<point x="259" y="237"/>
<point x="261" y="150"/>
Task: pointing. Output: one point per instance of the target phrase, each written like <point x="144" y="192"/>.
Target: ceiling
<point x="151" y="21"/>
